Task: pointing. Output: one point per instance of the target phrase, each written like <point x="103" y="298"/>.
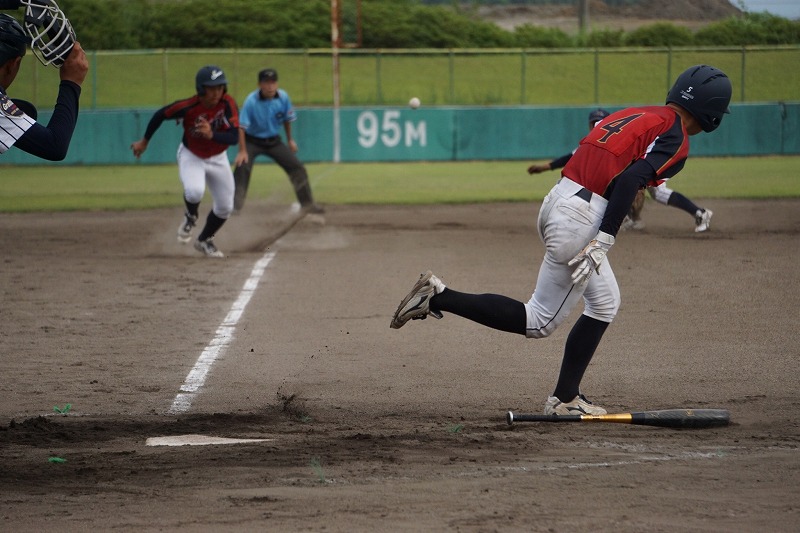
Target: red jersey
<point x="224" y="116"/>
<point x="653" y="133"/>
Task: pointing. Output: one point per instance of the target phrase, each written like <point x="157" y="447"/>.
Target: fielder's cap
<point x="268" y="74"/>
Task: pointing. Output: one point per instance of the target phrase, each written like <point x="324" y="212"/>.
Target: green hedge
<point x="135" y="24"/>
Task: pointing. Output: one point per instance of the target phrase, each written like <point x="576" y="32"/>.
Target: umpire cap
<point x="13" y="40"/>
<point x="268" y="74"/>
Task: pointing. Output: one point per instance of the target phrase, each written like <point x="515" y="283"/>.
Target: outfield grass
<point x="71" y="188"/>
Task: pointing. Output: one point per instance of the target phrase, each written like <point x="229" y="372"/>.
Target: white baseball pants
<point x="567" y="223"/>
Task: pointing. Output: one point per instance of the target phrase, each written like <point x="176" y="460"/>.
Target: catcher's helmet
<point x="209" y="76"/>
<point x="597" y="115"/>
<point x="13" y="41"/>
<point x="705" y="92"/>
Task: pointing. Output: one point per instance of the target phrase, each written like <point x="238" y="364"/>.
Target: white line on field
<point x="222" y="339"/>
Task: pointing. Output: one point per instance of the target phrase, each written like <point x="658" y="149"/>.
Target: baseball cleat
<point x="208" y="248"/>
<point x="313" y="209"/>
<point x="578" y="406"/>
<point x="702" y="220"/>
<point x="630" y="224"/>
<point x="417" y="305"/>
<point x="185" y="229"/>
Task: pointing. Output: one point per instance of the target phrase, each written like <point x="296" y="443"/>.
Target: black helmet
<point x="209" y="76"/>
<point x="597" y="115"/>
<point x="13" y="40"/>
<point x="705" y="92"/>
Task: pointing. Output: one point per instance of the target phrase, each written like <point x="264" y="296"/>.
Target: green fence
<point x="430" y="134"/>
<point x="614" y="76"/>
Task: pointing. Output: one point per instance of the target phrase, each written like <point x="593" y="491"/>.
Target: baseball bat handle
<point x="668" y="418"/>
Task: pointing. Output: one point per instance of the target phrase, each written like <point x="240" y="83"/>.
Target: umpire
<point x="260" y="119"/>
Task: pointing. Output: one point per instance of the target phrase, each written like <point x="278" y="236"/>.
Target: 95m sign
<point x="390" y="129"/>
<point x="393" y="134"/>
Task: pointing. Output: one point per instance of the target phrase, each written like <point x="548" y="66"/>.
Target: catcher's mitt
<point x="51" y="33"/>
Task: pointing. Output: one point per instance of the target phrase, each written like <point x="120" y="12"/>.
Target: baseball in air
<point x="414" y="103"/>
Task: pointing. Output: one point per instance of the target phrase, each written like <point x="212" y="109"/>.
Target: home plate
<point x="197" y="440"/>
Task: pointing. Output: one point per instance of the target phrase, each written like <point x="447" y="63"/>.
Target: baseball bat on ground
<point x="667" y="418"/>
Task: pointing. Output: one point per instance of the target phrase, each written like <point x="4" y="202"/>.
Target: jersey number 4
<point x="616" y="126"/>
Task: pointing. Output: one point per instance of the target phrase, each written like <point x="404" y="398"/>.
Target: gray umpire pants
<point x="275" y="148"/>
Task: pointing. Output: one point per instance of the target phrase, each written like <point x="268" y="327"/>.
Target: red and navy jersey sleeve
<point x="653" y="134"/>
<point x="224" y="120"/>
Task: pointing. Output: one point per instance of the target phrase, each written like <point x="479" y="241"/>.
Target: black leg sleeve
<point x="191" y="208"/>
<point x="578" y="352"/>
<point x="492" y="310"/>
<point x="678" y="200"/>
<point x="213" y="223"/>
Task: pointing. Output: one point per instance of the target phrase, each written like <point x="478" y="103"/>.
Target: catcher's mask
<point x="51" y="33"/>
<point x="13" y="41"/>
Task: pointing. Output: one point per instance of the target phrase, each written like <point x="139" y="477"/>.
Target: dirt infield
<point x="372" y="429"/>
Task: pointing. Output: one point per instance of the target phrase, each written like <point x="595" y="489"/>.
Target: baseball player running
<point x="660" y="192"/>
<point x="18" y="126"/>
<point x="210" y="124"/>
<point x="578" y="222"/>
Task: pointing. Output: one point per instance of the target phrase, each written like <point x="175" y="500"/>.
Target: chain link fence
<point x="459" y="77"/>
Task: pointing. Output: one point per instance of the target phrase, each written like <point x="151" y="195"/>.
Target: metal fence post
<point x="94" y="79"/>
<point x="524" y="76"/>
<point x="378" y="86"/>
<point x="164" y="70"/>
<point x="744" y="54"/>
<point x="451" y="56"/>
<point x="596" y="76"/>
<point x="669" y="68"/>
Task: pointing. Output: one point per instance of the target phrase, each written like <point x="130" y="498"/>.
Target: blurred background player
<point x="578" y="223"/>
<point x="660" y="193"/>
<point x="210" y="125"/>
<point x="664" y="195"/>
<point x="264" y="112"/>
<point x="18" y="126"/>
<point x="594" y="117"/>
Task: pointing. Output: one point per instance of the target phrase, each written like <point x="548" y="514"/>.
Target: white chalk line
<point x="222" y="339"/>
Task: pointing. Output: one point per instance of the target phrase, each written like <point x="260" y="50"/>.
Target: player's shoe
<point x="208" y="248"/>
<point x="417" y="305"/>
<point x="185" y="229"/>
<point x="630" y="224"/>
<point x="578" y="406"/>
<point x="702" y="220"/>
<point x="313" y="209"/>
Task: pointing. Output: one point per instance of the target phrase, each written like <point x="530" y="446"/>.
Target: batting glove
<point x="590" y="257"/>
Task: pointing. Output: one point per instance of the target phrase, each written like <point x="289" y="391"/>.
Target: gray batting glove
<point x="590" y="258"/>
